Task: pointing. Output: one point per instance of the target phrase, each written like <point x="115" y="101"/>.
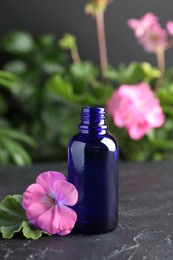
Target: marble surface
<point x="145" y="229"/>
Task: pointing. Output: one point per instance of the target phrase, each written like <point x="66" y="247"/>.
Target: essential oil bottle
<point x="93" y="170"/>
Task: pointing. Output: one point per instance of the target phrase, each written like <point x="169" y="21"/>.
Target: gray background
<point x="62" y="16"/>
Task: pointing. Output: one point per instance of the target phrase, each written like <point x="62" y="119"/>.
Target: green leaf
<point x="111" y="73"/>
<point x="16" y="66"/>
<point x="165" y="96"/>
<point x="13" y="219"/>
<point x="17" y="42"/>
<point x="149" y="71"/>
<point x="46" y="40"/>
<point x="9" y="139"/>
<point x="31" y="232"/>
<point x="7" y="75"/>
<point x="17" y="135"/>
<point x="134" y="73"/>
<point x="10" y="81"/>
<point x="51" y="67"/>
<point x="7" y="78"/>
<point x="168" y="110"/>
<point x="16" y="151"/>
<point x="12" y="215"/>
<point x="59" y="86"/>
<point x="61" y="89"/>
<point x="162" y="144"/>
<point x="99" y="95"/>
<point x="85" y="70"/>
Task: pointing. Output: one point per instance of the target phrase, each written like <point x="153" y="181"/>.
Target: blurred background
<point x="41" y="89"/>
<point x="59" y="17"/>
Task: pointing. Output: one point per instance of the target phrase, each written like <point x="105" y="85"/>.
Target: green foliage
<point x="44" y="95"/>
<point x="153" y="147"/>
<point x="23" y="96"/>
<point x="11" y="150"/>
<point x="18" y="43"/>
<point x="13" y="219"/>
<point x="85" y="71"/>
<point x="42" y="91"/>
<point x="67" y="91"/>
<point x="10" y="81"/>
<point x="134" y="73"/>
<point x="157" y="144"/>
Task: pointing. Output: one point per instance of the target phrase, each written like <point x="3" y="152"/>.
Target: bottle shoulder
<point x="107" y="141"/>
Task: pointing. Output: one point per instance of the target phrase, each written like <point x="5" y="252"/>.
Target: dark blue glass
<point x="93" y="170"/>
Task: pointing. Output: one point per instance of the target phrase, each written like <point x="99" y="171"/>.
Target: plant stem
<point x="75" y="54"/>
<point x="160" y="55"/>
<point x="101" y="41"/>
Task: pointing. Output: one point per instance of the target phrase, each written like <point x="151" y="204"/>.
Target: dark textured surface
<point x="145" y="229"/>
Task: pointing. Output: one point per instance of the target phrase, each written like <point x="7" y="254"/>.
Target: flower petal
<point x="67" y="220"/>
<point x="57" y="220"/>
<point x="33" y="193"/>
<point x="136" y="108"/>
<point x="46" y="179"/>
<point x="35" y="210"/>
<point x="138" y="130"/>
<point x="149" y="32"/>
<point x="64" y="232"/>
<point x="169" y="27"/>
<point x="45" y="221"/>
<point x="65" y="193"/>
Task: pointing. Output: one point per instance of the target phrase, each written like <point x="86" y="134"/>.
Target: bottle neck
<point x="93" y="121"/>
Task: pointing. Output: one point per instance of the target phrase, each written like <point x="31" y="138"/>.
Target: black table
<point x="145" y="229"/>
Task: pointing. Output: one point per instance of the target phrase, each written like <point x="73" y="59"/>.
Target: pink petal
<point x="64" y="219"/>
<point x="155" y="116"/>
<point x="46" y="179"/>
<point x="57" y="220"/>
<point x="65" y="193"/>
<point x="136" y="108"/>
<point x="149" y="19"/>
<point x="64" y="232"/>
<point x="138" y="130"/>
<point x="133" y="23"/>
<point x="118" y="119"/>
<point x="169" y="27"/>
<point x="33" y="193"/>
<point x="35" y="210"/>
<point x="149" y="32"/>
<point x="45" y="221"/>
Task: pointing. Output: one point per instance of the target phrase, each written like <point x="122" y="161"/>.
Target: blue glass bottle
<point x="93" y="170"/>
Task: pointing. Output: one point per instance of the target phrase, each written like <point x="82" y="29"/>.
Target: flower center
<point x="49" y="200"/>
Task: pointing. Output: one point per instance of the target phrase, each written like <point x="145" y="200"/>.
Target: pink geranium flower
<point x="142" y="25"/>
<point x="136" y="108"/>
<point x="47" y="203"/>
<point x="149" y="33"/>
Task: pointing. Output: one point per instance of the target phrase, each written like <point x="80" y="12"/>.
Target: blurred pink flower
<point x="169" y="27"/>
<point x="142" y="25"/>
<point x="46" y="203"/>
<point x="149" y="33"/>
<point x="136" y="108"/>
